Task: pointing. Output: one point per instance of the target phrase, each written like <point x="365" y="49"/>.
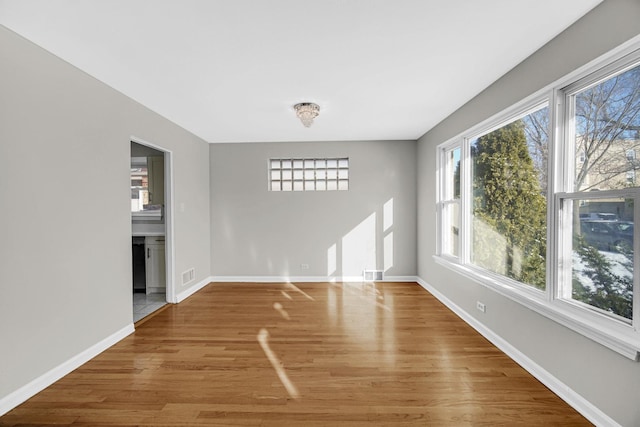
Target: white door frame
<point x="168" y="218"/>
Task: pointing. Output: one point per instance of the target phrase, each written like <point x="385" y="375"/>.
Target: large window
<point x="509" y="205"/>
<point x="602" y="116"/>
<point x="541" y="202"/>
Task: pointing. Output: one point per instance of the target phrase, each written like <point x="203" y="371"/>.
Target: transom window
<point x="326" y="174"/>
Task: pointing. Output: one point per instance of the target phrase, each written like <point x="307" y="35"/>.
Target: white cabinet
<point x="155" y="167"/>
<point x="155" y="265"/>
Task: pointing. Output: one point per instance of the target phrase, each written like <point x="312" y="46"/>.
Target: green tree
<point x="606" y="290"/>
<point x="509" y="202"/>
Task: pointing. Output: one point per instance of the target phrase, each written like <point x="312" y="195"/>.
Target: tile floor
<point x="144" y="304"/>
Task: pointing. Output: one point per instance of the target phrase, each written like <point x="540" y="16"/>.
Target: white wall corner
<point x="575" y="400"/>
<point x="29" y="390"/>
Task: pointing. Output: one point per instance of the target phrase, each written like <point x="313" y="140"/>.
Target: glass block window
<point x="309" y="174"/>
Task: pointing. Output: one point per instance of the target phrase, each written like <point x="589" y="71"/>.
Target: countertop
<point x="145" y="229"/>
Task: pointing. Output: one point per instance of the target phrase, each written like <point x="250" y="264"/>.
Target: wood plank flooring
<point x="304" y="354"/>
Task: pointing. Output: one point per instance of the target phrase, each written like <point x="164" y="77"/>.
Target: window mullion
<point x="553" y="167"/>
<point x="635" y="321"/>
<point x="564" y="173"/>
<point x="466" y="195"/>
<point x="440" y="206"/>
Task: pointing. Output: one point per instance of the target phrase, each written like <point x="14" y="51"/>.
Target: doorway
<point x="151" y="228"/>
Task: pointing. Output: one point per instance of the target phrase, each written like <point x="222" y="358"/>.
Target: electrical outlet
<point x="480" y="306"/>
<point x="304" y="266"/>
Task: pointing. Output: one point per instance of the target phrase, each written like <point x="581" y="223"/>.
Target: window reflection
<point x="602" y="255"/>
<point x="509" y="223"/>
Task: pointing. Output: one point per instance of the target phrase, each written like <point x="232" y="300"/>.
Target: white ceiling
<point x="231" y="70"/>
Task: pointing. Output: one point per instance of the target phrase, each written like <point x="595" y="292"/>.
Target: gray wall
<point x="256" y="232"/>
<point x="65" y="226"/>
<point x="606" y="379"/>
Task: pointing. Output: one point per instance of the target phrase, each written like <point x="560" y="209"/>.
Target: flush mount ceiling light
<point x="306" y="112"/>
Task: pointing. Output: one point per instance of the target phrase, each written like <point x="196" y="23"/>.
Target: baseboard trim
<point x="575" y="400"/>
<point x="193" y="289"/>
<point x="29" y="390"/>
<point x="287" y="279"/>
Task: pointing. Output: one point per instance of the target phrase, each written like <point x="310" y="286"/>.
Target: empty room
<point x="335" y="213"/>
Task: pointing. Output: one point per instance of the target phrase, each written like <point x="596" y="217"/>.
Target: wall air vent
<point x="188" y="276"/>
<point x="372" y="275"/>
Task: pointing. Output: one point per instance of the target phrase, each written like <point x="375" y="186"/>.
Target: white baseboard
<point x="287" y="279"/>
<point x="29" y="390"/>
<point x="193" y="289"/>
<point x="575" y="400"/>
<point x="400" y="279"/>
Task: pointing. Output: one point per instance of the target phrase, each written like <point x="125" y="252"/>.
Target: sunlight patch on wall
<point x="286" y="270"/>
<point x="387" y="243"/>
<point x="387" y="215"/>
<point x="332" y="260"/>
<point x="359" y="248"/>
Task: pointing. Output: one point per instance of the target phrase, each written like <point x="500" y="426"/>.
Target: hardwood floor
<point x="308" y="354"/>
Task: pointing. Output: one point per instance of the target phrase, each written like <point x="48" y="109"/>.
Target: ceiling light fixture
<point x="306" y="112"/>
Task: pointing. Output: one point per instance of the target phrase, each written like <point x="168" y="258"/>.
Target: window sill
<point x="609" y="333"/>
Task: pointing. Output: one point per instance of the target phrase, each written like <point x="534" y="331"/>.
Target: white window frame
<point x="601" y="327"/>
<point x="500" y="121"/>
<point x="446" y="200"/>
<point x="564" y="279"/>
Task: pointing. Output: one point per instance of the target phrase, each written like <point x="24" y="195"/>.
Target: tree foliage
<point x="536" y="128"/>
<point x="606" y="290"/>
<point x="508" y="199"/>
